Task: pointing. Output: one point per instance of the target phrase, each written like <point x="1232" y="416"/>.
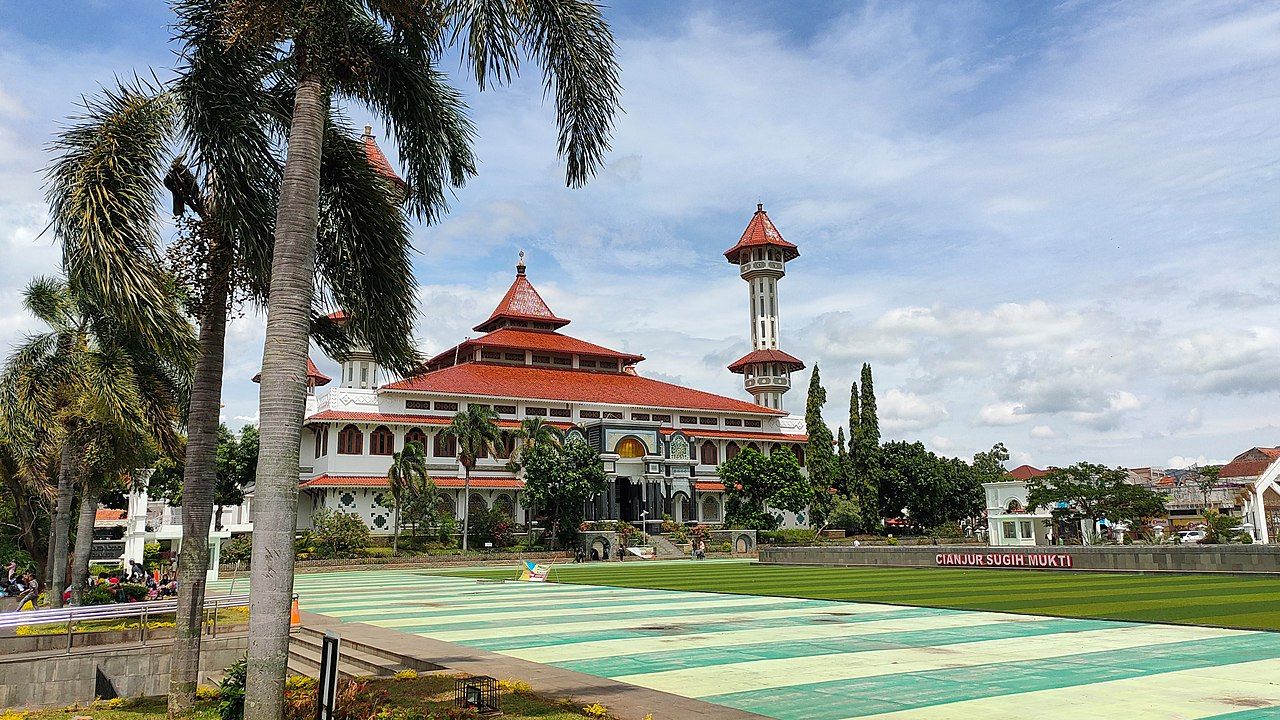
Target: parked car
<point x="1191" y="536"/>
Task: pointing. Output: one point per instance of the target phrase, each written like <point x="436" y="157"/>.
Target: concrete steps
<point x="355" y="659"/>
<point x="664" y="549"/>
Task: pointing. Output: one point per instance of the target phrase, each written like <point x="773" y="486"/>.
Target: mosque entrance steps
<point x="664" y="549"/>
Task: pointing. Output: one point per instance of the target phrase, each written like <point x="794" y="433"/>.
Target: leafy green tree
<point x="820" y="458"/>
<point x="1220" y="528"/>
<point x="407" y="472"/>
<point x="1086" y="491"/>
<point x="754" y="481"/>
<point x="846" y="514"/>
<point x="558" y="480"/>
<point x="1206" y="479"/>
<point x="476" y="432"/>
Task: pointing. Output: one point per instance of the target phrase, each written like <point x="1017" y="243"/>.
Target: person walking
<point x="32" y="591"/>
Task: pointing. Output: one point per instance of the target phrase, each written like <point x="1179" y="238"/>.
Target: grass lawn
<point x="425" y="696"/>
<point x="1218" y="600"/>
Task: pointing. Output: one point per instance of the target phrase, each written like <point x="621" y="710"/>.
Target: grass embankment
<point x="228" y="618"/>
<point x="408" y="698"/>
<point x="1218" y="600"/>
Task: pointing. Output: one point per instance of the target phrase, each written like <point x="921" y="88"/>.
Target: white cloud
<point x="1043" y="432"/>
<point x="901" y="411"/>
<point x="1001" y="414"/>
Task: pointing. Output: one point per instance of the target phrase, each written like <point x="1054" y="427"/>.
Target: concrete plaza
<point x="822" y="660"/>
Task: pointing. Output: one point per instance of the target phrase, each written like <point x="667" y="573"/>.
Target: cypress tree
<point x="844" y="464"/>
<point x="866" y="452"/>
<point x="820" y="457"/>
<point x="870" y="424"/>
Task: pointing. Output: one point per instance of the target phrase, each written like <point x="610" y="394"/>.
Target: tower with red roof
<point x="761" y="256"/>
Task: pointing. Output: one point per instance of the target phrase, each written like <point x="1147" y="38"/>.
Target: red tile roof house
<point x="1255" y="474"/>
<point x="660" y="443"/>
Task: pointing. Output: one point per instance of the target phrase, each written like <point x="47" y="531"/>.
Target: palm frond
<point x="102" y="192"/>
<point x="48" y="300"/>
<point x="362" y="253"/>
<point x="231" y="132"/>
<point x="488" y="34"/>
<point x="399" y="81"/>
<point x="572" y="42"/>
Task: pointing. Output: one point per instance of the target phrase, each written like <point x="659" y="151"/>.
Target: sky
<point x="1050" y="225"/>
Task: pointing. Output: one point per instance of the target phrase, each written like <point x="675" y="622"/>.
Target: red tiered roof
<point x="761" y="232"/>
<point x="537" y="341"/>
<point x="566" y="385"/>
<point x="766" y="356"/>
<point x="379" y="161"/>
<point x="408" y="419"/>
<point x="522" y="302"/>
<point x="314" y="376"/>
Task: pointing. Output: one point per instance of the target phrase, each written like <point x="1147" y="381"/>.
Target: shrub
<point x="376" y="552"/>
<point x="595" y="710"/>
<point x="949" y="529"/>
<point x="446" y="529"/>
<point x="231" y="690"/>
<point x="339" y="534"/>
<point x="794" y="536"/>
<point x="131" y="592"/>
<point x="205" y="693"/>
<point x="891" y="541"/>
<point x="99" y="595"/>
<point x="492" y="526"/>
<point x="407" y="675"/>
<point x="238" y="549"/>
<point x="518" y="687"/>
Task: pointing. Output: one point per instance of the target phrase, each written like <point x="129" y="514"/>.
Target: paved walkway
<point x="810" y="659"/>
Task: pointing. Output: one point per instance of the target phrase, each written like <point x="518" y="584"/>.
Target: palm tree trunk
<point x="198" y="478"/>
<point x="84" y="540"/>
<point x="395" y="532"/>
<point x="62" y="524"/>
<point x="466" y="505"/>
<point x="282" y="402"/>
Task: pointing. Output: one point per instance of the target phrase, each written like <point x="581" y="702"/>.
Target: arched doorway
<point x="710" y="509"/>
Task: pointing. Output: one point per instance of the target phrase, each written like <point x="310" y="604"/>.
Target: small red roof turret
<point x="761" y="232"/>
<point x="315" y="378"/>
<point x="379" y="161"/>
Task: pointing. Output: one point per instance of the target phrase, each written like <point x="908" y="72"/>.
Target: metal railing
<point x="144" y="611"/>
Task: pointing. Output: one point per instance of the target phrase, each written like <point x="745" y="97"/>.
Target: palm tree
<point x="477" y="435"/>
<point x="103" y="190"/>
<point x="92" y="390"/>
<point x="533" y="431"/>
<point x="408" y="470"/>
<point x="384" y="56"/>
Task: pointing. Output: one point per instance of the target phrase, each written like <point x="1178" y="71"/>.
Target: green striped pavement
<point x="787" y="653"/>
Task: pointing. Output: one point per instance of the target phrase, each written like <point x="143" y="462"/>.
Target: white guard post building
<point x="660" y="443"/>
<point x="1008" y="521"/>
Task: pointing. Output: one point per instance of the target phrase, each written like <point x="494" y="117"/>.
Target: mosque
<point x="660" y="443"/>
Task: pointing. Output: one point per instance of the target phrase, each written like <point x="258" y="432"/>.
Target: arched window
<point x="322" y="441"/>
<point x="731" y="451"/>
<point x="350" y="441"/>
<point x="629" y="448"/>
<point x="382" y="441"/>
<point x="753" y="446"/>
<point x="710" y="509"/>
<point x="506" y="504"/>
<point x="1014" y="506"/>
<point x="708" y="454"/>
<point x="799" y="451"/>
<point x="444" y="445"/>
<point x="476" y="504"/>
<point x="448" y="507"/>
<point x="416" y="435"/>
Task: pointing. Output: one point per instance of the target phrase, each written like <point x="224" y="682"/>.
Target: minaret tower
<point x="761" y="256"/>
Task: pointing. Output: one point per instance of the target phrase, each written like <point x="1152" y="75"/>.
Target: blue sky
<point x="1050" y="225"/>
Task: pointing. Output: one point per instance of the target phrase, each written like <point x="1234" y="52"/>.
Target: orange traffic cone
<point x="295" y="616"/>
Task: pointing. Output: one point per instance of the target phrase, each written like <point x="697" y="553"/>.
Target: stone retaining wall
<point x="1252" y="559"/>
<point x="62" y="679"/>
